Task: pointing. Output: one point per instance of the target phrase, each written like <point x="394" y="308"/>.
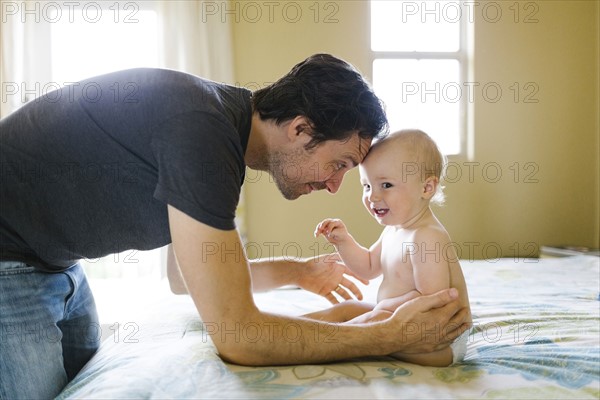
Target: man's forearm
<point x="266" y="274"/>
<point x="272" y="273"/>
<point x="176" y="282"/>
<point x="268" y="339"/>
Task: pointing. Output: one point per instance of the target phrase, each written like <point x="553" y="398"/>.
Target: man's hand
<point x="326" y="275"/>
<point x="429" y="323"/>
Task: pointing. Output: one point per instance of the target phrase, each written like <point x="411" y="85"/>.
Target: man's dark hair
<point x="328" y="91"/>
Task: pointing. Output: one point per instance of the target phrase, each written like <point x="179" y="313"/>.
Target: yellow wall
<point x="556" y="139"/>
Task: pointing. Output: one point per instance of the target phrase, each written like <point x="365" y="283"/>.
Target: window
<point x="420" y="67"/>
<point x="88" y="47"/>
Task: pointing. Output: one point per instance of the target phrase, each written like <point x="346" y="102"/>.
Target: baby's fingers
<point x="324" y="228"/>
<point x="321" y="227"/>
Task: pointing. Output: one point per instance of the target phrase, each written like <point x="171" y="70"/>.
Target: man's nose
<point x="333" y="184"/>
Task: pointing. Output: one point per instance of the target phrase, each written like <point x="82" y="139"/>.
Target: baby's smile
<point x="380" y="212"/>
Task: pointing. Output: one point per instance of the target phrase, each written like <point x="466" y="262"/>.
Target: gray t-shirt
<point x="88" y="170"/>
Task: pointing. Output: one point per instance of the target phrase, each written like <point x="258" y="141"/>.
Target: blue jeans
<point x="48" y="329"/>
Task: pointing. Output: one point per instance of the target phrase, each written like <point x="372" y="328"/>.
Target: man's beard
<point x="288" y="171"/>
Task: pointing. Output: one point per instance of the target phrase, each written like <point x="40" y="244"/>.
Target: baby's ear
<point x="429" y="187"/>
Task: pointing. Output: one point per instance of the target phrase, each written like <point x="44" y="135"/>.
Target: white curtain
<point x="23" y="63"/>
<point x="192" y="45"/>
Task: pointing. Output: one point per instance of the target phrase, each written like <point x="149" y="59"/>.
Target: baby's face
<point x="392" y="188"/>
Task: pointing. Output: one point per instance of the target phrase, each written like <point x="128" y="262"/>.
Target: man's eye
<point x="341" y="166"/>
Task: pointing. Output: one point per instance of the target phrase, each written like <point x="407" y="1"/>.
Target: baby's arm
<point x="431" y="270"/>
<point x="362" y="261"/>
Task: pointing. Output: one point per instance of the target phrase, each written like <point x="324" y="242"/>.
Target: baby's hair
<point x="427" y="156"/>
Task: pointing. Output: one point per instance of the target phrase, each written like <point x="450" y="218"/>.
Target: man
<point x="142" y="158"/>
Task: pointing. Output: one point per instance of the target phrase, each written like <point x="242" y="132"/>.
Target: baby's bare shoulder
<point x="431" y="233"/>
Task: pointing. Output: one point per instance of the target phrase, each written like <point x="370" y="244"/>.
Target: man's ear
<point x="429" y="187"/>
<point x="299" y="129"/>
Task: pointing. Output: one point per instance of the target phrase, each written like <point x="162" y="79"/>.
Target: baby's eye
<point x="366" y="187"/>
<point x="386" y="185"/>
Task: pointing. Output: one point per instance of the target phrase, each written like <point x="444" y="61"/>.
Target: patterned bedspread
<point x="536" y="335"/>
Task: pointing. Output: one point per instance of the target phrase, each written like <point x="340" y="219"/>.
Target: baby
<point x="400" y="177"/>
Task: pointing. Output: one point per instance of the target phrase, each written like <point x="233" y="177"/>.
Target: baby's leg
<point x="341" y="312"/>
<point x="371" y="316"/>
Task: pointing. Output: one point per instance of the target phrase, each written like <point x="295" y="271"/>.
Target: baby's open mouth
<point x="380" y="212"/>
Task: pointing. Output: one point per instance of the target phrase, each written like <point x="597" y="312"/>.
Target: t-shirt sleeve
<point x="200" y="167"/>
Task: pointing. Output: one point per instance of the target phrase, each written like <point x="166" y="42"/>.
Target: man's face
<point x="300" y="171"/>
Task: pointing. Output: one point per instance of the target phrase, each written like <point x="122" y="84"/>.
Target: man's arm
<point x="322" y="275"/>
<point x="176" y="282"/>
<point x="217" y="277"/>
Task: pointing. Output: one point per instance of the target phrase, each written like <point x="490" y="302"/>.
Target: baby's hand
<point x="333" y="230"/>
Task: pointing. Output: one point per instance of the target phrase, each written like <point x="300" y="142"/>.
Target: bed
<point x="536" y="335"/>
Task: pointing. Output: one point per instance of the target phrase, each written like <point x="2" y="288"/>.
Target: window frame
<point x="462" y="55"/>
